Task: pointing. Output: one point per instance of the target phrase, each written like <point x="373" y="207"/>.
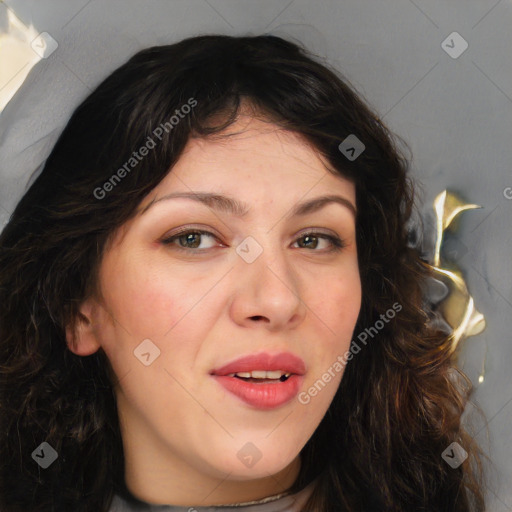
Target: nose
<point x="268" y="293"/>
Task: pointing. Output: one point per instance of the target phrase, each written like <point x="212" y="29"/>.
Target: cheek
<point x="148" y="299"/>
<point x="171" y="308"/>
<point x="336" y="312"/>
<point x="341" y="300"/>
<point x="338" y="305"/>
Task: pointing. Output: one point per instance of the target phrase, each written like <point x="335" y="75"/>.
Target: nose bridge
<point x="267" y="258"/>
<point x="268" y="286"/>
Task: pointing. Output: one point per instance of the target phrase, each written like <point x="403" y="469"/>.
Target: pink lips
<point x="285" y="361"/>
<point x="264" y="395"/>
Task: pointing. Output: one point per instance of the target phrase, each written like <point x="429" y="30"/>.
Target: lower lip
<point x="264" y="395"/>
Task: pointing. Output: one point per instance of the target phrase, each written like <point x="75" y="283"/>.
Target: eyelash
<point x="336" y="243"/>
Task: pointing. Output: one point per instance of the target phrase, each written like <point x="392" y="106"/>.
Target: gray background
<point x="455" y="114"/>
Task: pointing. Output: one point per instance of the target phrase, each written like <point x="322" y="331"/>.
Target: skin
<point x="181" y="430"/>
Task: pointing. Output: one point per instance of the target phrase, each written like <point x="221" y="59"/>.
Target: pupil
<point x="189" y="238"/>
<point x="310" y="238"/>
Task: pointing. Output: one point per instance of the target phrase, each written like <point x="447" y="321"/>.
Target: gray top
<point x="279" y="503"/>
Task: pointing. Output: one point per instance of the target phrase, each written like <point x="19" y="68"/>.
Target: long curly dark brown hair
<point x="397" y="408"/>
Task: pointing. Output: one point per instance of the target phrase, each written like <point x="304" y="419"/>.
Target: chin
<point x="259" y="471"/>
<point x="249" y="462"/>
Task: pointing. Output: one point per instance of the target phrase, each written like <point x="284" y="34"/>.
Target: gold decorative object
<point x="458" y="308"/>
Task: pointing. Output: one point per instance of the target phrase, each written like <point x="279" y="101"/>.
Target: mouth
<point x="261" y="380"/>
<point x="262" y="376"/>
<point x="263" y="366"/>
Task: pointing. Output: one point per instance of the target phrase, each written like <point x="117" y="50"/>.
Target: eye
<point x="189" y="240"/>
<point x="311" y="241"/>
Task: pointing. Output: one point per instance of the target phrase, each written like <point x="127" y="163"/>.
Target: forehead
<point x="255" y="137"/>
<point x="256" y="164"/>
<point x="257" y="154"/>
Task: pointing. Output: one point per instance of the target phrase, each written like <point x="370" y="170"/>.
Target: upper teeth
<point x="260" y="374"/>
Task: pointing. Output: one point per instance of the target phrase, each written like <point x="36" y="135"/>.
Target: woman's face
<point x="178" y="306"/>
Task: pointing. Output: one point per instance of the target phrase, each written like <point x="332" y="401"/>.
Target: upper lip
<point x="284" y="361"/>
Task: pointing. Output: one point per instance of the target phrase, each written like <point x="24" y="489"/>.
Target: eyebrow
<point x="239" y="209"/>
